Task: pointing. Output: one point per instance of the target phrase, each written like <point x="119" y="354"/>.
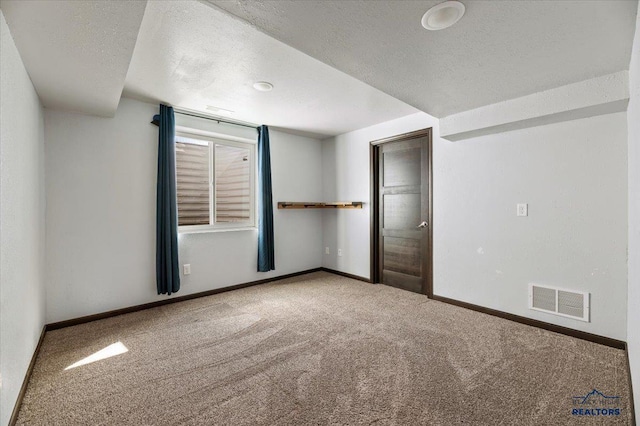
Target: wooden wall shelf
<point x="316" y="205"/>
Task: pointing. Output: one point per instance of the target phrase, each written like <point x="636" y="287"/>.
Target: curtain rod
<point x="208" y="117"/>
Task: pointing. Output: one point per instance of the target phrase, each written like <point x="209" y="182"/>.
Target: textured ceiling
<point x="76" y="52"/>
<point x="499" y="50"/>
<point x="192" y="54"/>
<point x="336" y="65"/>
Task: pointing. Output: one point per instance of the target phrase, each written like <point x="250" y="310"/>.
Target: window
<point x="216" y="183"/>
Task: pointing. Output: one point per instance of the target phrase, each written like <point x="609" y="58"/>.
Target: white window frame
<point x="213" y="141"/>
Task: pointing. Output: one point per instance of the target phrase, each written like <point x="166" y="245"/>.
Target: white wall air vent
<point x="559" y="301"/>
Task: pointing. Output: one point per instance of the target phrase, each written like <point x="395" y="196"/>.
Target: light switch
<point x="522" y="209"/>
<point x="187" y="268"/>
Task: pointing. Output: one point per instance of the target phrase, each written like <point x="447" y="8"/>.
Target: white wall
<point x="22" y="206"/>
<point x="101" y="189"/>
<point x="633" y="121"/>
<point x="572" y="174"/>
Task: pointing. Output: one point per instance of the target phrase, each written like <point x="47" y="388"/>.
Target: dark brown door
<point x="404" y="214"/>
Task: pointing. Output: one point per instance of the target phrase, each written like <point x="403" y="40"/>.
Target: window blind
<point x="192" y="170"/>
<point x="233" y="185"/>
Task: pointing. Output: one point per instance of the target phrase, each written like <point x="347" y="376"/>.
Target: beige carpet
<point x="319" y="349"/>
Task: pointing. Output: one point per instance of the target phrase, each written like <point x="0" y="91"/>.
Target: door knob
<point x="423" y="225"/>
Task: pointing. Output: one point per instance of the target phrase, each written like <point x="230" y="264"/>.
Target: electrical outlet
<point x="326" y="250"/>
<point x="522" y="209"/>
<point x="187" y="268"/>
<point x="339" y="252"/>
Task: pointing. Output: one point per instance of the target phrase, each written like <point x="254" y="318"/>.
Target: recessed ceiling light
<point x="443" y="15"/>
<point x="263" y="86"/>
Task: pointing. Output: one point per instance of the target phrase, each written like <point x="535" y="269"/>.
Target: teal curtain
<point x="167" y="267"/>
<point x="266" y="255"/>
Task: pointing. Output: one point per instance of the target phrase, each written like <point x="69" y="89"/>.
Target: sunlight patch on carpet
<point x="112" y="350"/>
